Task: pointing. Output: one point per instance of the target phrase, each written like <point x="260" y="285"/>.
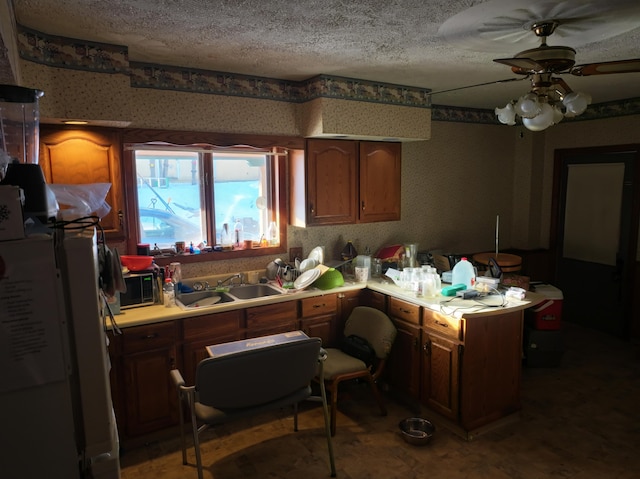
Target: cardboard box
<point x="232" y="347"/>
<point x="543" y="349"/>
<point x="547" y="315"/>
<point x="11" y="219"/>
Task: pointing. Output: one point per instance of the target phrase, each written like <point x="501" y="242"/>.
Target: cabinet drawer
<point x="442" y="324"/>
<point x="402" y="310"/>
<point x="271" y="314"/>
<point x="145" y="338"/>
<point x="218" y="324"/>
<point x="318" y="305"/>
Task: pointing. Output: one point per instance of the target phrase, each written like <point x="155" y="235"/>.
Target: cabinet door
<point x="380" y="181"/>
<point x="440" y="374"/>
<point x="403" y="367"/>
<point x="272" y="319"/>
<point x="151" y="398"/>
<point x="203" y="331"/>
<point x="346" y="302"/>
<point x="320" y="327"/>
<point x="149" y="353"/>
<point x="374" y="299"/>
<point x="75" y="156"/>
<point x="331" y="182"/>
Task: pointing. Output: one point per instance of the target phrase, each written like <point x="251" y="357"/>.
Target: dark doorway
<point x="594" y="234"/>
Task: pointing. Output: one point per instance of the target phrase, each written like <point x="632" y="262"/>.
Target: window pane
<point x="241" y="193"/>
<point x="170" y="204"/>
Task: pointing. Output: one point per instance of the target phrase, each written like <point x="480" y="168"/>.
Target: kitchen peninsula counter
<point x="466" y="357"/>
<point x="445" y="305"/>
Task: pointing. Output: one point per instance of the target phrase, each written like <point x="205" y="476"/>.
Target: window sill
<point x="163" y="260"/>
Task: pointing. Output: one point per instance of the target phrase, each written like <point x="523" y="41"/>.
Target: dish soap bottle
<point x="463" y="273"/>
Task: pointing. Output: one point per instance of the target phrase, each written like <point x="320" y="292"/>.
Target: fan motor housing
<point x="552" y="59"/>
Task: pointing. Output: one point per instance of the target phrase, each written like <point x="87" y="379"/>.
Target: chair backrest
<point x="374" y="326"/>
<point x="259" y="376"/>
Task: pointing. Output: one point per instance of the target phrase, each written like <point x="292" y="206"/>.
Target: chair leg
<point x="333" y="390"/>
<point x="377" y="395"/>
<point x="327" y="424"/>
<point x="295" y="417"/>
<point x="182" y="438"/>
<point x="196" y="440"/>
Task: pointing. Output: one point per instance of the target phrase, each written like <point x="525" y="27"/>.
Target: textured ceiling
<point x="439" y="45"/>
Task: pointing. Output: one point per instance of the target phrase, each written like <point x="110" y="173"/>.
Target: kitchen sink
<point x="252" y="291"/>
<point x="202" y="299"/>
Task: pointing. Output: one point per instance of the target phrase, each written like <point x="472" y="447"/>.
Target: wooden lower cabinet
<point x="148" y="354"/>
<point x="403" y="367"/>
<point x="468" y="370"/>
<point x="318" y="318"/>
<point x="440" y="374"/>
<point x="346" y="302"/>
<point x="203" y="331"/>
<point x="271" y="319"/>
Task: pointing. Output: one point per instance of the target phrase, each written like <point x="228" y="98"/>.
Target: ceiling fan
<point x="550" y="98"/>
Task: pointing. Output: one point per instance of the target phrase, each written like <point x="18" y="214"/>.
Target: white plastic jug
<point x="463" y="273"/>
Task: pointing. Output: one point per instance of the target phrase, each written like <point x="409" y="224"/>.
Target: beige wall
<point x="453" y="185"/>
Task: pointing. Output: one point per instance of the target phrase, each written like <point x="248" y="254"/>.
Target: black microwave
<point x="141" y="290"/>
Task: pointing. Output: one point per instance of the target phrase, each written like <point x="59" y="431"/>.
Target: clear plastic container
<point x="463" y="273"/>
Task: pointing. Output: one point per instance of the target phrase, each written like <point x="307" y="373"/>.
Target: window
<point x="205" y="196"/>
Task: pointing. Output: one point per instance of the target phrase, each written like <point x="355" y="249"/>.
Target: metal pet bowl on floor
<point x="416" y="431"/>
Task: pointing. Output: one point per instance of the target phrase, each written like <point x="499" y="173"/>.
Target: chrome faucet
<point x="231" y="278"/>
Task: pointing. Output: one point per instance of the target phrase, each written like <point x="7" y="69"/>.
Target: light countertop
<point x="446" y="305"/>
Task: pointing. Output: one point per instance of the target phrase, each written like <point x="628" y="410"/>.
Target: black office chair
<point x="249" y="382"/>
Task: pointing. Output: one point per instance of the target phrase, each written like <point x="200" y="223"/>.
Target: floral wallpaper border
<point x="64" y="52"/>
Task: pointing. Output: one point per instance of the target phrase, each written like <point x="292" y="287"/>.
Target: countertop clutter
<point x="452" y="306"/>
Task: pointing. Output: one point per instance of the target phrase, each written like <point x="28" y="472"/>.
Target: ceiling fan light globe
<point x="528" y="106"/>
<point x="506" y="115"/>
<point x="541" y="122"/>
<point x="557" y="115"/>
<point x="576" y="102"/>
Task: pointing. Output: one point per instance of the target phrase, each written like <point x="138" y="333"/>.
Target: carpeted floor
<point x="580" y="420"/>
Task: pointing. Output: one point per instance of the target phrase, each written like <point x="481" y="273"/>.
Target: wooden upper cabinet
<point x="344" y="182"/>
<point x="380" y="169"/>
<point x="329" y="174"/>
<point x="81" y="156"/>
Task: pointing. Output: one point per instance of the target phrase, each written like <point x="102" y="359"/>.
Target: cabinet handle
<point x="363" y="206"/>
<point x="121" y="218"/>
<point x="318" y="306"/>
<point x="150" y="336"/>
<point x="416" y="343"/>
<point x="311" y="210"/>
<point x="427" y="348"/>
<point x="444" y="325"/>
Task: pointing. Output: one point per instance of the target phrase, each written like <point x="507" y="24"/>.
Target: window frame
<point x="141" y="138"/>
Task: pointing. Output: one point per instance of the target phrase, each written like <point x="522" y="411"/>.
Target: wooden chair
<point x="249" y="382"/>
<point x="377" y="329"/>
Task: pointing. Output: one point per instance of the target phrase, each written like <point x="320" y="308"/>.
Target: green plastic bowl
<point x="332" y="278"/>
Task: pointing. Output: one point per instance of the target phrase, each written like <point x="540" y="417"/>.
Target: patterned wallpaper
<point x="453" y="185"/>
<point x="98" y="57"/>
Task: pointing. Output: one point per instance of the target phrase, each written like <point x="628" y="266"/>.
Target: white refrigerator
<point x="56" y="411"/>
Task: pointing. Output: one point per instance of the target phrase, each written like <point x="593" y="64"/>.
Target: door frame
<point x="631" y="271"/>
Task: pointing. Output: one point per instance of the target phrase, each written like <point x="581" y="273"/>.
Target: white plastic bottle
<point x="463" y="273"/>
<point x="168" y="292"/>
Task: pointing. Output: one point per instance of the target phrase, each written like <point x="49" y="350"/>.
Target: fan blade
<point x="522" y="64"/>
<point x="605" y="68"/>
<point x="507" y="80"/>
